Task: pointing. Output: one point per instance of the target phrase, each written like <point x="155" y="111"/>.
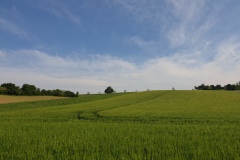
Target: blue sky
<point x="130" y="45"/>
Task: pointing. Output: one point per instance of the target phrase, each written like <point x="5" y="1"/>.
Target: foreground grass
<point x="147" y="125"/>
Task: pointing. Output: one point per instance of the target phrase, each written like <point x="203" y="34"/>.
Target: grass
<point x="143" y="125"/>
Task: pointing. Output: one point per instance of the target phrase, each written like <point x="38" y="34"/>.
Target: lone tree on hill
<point x="109" y="90"/>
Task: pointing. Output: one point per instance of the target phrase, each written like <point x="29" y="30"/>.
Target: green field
<point x="143" y="125"/>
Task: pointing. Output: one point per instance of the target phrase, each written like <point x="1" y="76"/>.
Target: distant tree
<point x="30" y="90"/>
<point x="49" y="92"/>
<point x="11" y="89"/>
<point x="69" y="94"/>
<point x="237" y="87"/>
<point x="208" y="87"/>
<point x="218" y="87"/>
<point x="230" y="87"/>
<point x="109" y="90"/>
<point x="57" y="92"/>
<point x="3" y="90"/>
<point x="44" y="92"/>
<point x="212" y="87"/>
<point x="203" y="87"/>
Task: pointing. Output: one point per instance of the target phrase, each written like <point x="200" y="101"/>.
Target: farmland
<point x="12" y="99"/>
<point x="142" y="125"/>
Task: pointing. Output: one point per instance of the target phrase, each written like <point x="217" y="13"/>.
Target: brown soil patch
<point x="12" y="99"/>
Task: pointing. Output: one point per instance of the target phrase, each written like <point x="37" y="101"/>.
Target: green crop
<point x="142" y="125"/>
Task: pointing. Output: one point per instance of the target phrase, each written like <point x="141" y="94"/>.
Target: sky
<point x="88" y="45"/>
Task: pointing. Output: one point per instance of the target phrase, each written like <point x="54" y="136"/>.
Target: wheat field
<point x="142" y="125"/>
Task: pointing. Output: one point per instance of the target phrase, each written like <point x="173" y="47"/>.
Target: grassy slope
<point x="204" y="105"/>
<point x="146" y="125"/>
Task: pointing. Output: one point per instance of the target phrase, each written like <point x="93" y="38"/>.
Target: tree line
<point x="230" y="87"/>
<point x="32" y="90"/>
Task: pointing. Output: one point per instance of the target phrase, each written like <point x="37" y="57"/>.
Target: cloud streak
<point x="60" y="10"/>
<point x="12" y="28"/>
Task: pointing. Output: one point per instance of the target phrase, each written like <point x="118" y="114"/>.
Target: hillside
<point x="141" y="125"/>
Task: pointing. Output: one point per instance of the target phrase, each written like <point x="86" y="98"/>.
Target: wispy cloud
<point x="61" y="10"/>
<point x="74" y="18"/>
<point x="12" y="28"/>
<point x="2" y="54"/>
<point x="149" y="47"/>
<point x="184" y="24"/>
<point x="142" y="11"/>
<point x="193" y="20"/>
<point x="228" y="55"/>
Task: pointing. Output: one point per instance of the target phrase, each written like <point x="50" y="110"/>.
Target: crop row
<point x="118" y="141"/>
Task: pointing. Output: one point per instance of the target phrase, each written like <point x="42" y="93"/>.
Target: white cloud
<point x="43" y="59"/>
<point x="93" y="74"/>
<point x="44" y="81"/>
<point x="40" y="68"/>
